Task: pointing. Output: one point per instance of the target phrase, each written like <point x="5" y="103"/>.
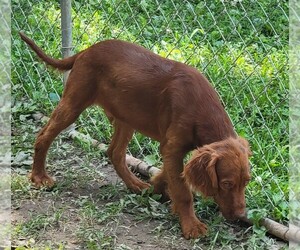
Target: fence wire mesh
<point x="240" y="46"/>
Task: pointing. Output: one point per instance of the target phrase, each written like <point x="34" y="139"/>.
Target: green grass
<point x="240" y="47"/>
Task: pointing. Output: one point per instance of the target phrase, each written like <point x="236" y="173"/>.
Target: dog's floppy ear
<point x="245" y="144"/>
<point x="200" y="171"/>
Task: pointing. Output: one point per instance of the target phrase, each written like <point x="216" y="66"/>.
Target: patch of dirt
<point x="139" y="236"/>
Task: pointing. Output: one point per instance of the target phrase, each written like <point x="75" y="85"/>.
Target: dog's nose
<point x="234" y="215"/>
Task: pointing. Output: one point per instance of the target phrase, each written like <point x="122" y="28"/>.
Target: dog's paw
<point x="193" y="229"/>
<point x="42" y="180"/>
<point x="137" y="186"/>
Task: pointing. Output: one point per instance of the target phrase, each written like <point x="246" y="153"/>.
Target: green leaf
<point x="150" y="159"/>
<point x="54" y="97"/>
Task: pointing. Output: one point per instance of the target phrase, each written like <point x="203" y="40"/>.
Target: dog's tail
<point x="63" y="64"/>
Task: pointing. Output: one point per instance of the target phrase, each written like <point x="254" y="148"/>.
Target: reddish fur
<point x="215" y="163"/>
<point x="163" y="99"/>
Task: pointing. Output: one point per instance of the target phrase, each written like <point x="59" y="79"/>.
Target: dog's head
<point x="221" y="170"/>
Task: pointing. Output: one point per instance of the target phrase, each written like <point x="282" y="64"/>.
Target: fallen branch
<point x="141" y="167"/>
<point x="291" y="233"/>
<point x="285" y="233"/>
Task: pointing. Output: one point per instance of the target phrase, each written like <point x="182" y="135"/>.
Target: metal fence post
<point x="66" y="31"/>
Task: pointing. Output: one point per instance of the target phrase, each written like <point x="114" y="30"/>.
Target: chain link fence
<point x="240" y="46"/>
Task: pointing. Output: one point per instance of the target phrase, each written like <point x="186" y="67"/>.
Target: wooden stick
<point x="291" y="233"/>
<point x="141" y="167"/>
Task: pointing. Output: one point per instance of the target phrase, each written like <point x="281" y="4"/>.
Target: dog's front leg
<point x="180" y="194"/>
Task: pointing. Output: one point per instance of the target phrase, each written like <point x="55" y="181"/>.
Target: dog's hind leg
<point x="117" y="154"/>
<point x="63" y="116"/>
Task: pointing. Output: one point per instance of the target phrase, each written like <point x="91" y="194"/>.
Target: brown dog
<point x="165" y="100"/>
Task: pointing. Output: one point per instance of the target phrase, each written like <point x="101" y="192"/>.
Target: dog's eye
<point x="227" y="184"/>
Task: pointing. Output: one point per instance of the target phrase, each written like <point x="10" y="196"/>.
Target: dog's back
<point x="128" y="80"/>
